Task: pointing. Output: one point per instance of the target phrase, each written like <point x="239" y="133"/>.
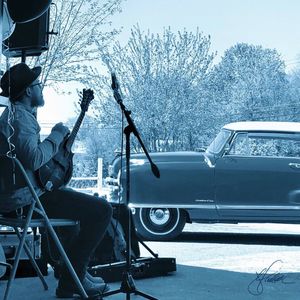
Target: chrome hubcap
<point x="159" y="216"/>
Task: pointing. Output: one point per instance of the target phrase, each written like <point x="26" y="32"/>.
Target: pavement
<point x="211" y="270"/>
<point x="187" y="283"/>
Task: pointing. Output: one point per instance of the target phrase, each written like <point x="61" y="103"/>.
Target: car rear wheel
<point x="159" y="223"/>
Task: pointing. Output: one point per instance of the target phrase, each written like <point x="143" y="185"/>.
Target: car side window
<point x="265" y="145"/>
<point x="240" y="145"/>
<point x="288" y="148"/>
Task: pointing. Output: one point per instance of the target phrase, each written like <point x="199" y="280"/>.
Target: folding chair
<point x="12" y="177"/>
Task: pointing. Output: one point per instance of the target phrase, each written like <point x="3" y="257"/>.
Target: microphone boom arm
<point x="117" y="96"/>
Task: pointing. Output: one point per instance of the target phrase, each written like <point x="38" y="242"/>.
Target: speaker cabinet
<point x="28" y="39"/>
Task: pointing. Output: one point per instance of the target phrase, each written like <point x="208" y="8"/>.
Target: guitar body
<point x="58" y="170"/>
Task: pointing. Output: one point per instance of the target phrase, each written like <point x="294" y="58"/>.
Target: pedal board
<point x="143" y="267"/>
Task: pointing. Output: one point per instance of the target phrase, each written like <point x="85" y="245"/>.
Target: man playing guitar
<point x="20" y="83"/>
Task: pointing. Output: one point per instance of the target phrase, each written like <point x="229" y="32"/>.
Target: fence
<point x="91" y="189"/>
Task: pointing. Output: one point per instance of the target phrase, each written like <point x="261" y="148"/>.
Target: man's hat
<point x="15" y="80"/>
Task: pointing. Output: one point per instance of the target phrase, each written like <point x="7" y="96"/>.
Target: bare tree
<point x="294" y="95"/>
<point x="77" y="26"/>
<point x="250" y="83"/>
<point x="160" y="77"/>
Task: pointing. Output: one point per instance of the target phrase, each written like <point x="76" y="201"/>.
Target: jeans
<point x="94" y="215"/>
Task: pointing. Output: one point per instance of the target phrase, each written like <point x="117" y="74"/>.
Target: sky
<point x="271" y="23"/>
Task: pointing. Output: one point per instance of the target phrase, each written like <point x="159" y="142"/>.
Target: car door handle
<point x="294" y="165"/>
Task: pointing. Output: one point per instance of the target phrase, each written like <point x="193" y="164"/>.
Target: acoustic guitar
<point x="58" y="171"/>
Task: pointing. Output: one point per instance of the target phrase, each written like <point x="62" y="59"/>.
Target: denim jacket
<point x="26" y="138"/>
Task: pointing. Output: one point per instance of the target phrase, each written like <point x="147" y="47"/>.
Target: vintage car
<point x="249" y="173"/>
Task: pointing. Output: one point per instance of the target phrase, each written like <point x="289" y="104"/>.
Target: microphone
<point x="114" y="81"/>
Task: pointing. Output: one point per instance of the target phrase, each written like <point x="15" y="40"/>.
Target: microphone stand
<point x="127" y="284"/>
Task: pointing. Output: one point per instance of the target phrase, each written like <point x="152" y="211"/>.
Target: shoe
<point x="93" y="279"/>
<point x="67" y="289"/>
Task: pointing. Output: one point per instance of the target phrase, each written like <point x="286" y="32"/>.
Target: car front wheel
<point x="158" y="223"/>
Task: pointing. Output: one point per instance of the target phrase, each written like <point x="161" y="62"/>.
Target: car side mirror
<point x="226" y="149"/>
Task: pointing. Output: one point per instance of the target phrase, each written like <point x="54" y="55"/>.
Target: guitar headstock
<point x="86" y="98"/>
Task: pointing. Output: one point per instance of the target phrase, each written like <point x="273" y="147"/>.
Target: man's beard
<point x="39" y="102"/>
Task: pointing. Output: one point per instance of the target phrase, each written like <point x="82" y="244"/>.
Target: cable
<point x="10" y="117"/>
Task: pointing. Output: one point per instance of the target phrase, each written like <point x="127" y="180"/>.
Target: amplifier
<point x="9" y="242"/>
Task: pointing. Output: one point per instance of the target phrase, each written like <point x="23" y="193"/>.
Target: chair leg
<point x="16" y="262"/>
<point x="33" y="262"/>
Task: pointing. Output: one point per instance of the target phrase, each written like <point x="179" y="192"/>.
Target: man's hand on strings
<point x="60" y="127"/>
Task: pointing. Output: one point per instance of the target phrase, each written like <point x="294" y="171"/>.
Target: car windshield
<point x="218" y="143"/>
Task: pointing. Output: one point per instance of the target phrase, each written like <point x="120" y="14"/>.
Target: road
<point x="215" y="262"/>
<point x="245" y="249"/>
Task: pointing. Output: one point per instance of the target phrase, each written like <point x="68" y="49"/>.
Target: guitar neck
<point x="75" y="130"/>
